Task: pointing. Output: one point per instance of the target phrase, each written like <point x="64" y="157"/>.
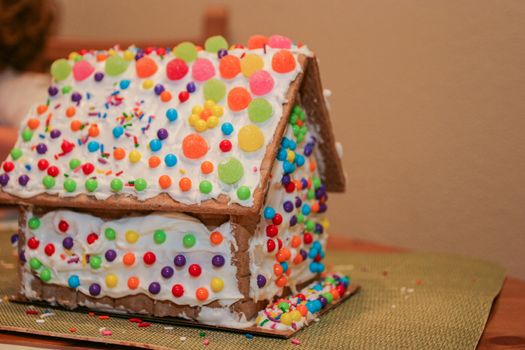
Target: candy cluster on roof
<point x="190" y="122"/>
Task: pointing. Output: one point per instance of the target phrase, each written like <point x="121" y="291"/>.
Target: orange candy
<point x="238" y="99"/>
<point x="165" y="96"/>
<point x="296" y="241"/>
<point x="302" y="309"/>
<point x="194" y="146"/>
<point x="185" y="184"/>
<point x="145" y="67"/>
<point x="201" y="294"/>
<point x="133" y="282"/>
<point x="41" y="109"/>
<point x="76" y="125"/>
<point x="71" y="111"/>
<point x="335" y="294"/>
<point x="312" y="165"/>
<point x="283" y="254"/>
<point x="33" y="123"/>
<point x="164" y="181"/>
<point x="101" y="57"/>
<point x="119" y="153"/>
<point x="281" y="281"/>
<point x="283" y="61"/>
<point x="298" y="259"/>
<point x="93" y="130"/>
<point x="128" y="259"/>
<point x="277" y="269"/>
<point x="257" y="42"/>
<point x="229" y="66"/>
<point x="154" y="162"/>
<point x="298" y="185"/>
<point x="207" y="167"/>
<point x="216" y="238"/>
<point x="315" y="207"/>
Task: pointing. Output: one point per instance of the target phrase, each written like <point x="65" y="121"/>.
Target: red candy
<point x="63" y="226"/>
<point x="67" y="146"/>
<point x="91" y="238"/>
<point x="307" y="238"/>
<point x="9" y="166"/>
<point x="177" y="290"/>
<point x="53" y="171"/>
<point x="88" y="168"/>
<point x="33" y="243"/>
<point x="279" y="243"/>
<point x="195" y="270"/>
<point x="176" y="69"/>
<point x="49" y="249"/>
<point x="270" y="245"/>
<point x="184" y="96"/>
<point x="272" y="230"/>
<point x="149" y="258"/>
<point x="277" y="219"/>
<point x="290" y="187"/>
<point x="225" y="145"/>
<point x="42" y="164"/>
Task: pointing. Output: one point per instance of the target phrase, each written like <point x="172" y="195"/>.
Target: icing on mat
<point x="144" y="122"/>
<point x="165" y="256"/>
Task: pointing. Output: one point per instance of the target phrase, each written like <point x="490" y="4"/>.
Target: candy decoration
<point x="82" y="70"/>
<point x="261" y="83"/>
<point x="95" y="262"/>
<point x="60" y="69"/>
<point x="250" y="138"/>
<point x="201" y="294"/>
<point x="132" y="236"/>
<point x="283" y="62"/>
<point x="110" y="255"/>
<point x="180" y="260"/>
<point x="140" y="184"/>
<point x="243" y="193"/>
<point x="195" y="270"/>
<point x="149" y="258"/>
<point x="115" y="65"/>
<point x="185" y="184"/>
<point x="259" y="110"/>
<point x="133" y="282"/>
<point x="207" y="167"/>
<point x="279" y="42"/>
<point x="70" y="185"/>
<point x="250" y="64"/>
<point x="229" y="66"/>
<point x="33" y="243"/>
<point x="230" y="170"/>
<point x="110" y="234"/>
<point x="172" y="114"/>
<point x="186" y="51"/>
<point x="217" y="284"/>
<point x="94" y="289"/>
<point x="215" y="43"/>
<point x="45" y="275"/>
<point x="202" y="69"/>
<point x="176" y="69"/>
<point x="205" y="187"/>
<point x="227" y="128"/>
<point x="218" y="260"/>
<point x="189" y="240"/>
<point x="214" y="90"/>
<point x="154" y="288"/>
<point x="48" y="182"/>
<point x="33" y="223"/>
<point x="73" y="281"/>
<point x="194" y="146"/>
<point x="164" y="182"/>
<point x="35" y="263"/>
<point x="177" y="290"/>
<point x="257" y="42"/>
<point x="128" y="259"/>
<point x="225" y="145"/>
<point x="167" y="272"/>
<point x="111" y="281"/>
<point x="238" y="99"/>
<point x="145" y="67"/>
<point x="67" y="243"/>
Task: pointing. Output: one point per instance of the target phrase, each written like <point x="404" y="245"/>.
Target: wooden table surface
<point x="505" y="328"/>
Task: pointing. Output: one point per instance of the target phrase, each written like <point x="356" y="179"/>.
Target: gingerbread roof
<point x="190" y="129"/>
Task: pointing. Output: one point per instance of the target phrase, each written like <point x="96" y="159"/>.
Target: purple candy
<point x="41" y="148"/>
<point x="4" y="179"/>
<point x="110" y="255"/>
<point x="159" y="89"/>
<point x="221" y="53"/>
<point x="308" y="149"/>
<point x="303" y="253"/>
<point x="323" y="301"/>
<point x="261" y="281"/>
<point x="94" y="289"/>
<point x="52" y="90"/>
<point x="162" y="134"/>
<point x="190" y="87"/>
<point x="304" y="183"/>
<point x="288" y="206"/>
<point x="293" y="220"/>
<point x="23" y="180"/>
<point x="55" y="133"/>
<point x="99" y="76"/>
<point x="154" y="288"/>
<point x="319" y="228"/>
<point x="218" y="260"/>
<point x="322" y="208"/>
<point x="285" y="180"/>
<point x="75" y="97"/>
<point x="14" y="238"/>
<point x="139" y="55"/>
<point x="180" y="260"/>
<point x="298" y="202"/>
<point x="67" y="243"/>
<point x="167" y="272"/>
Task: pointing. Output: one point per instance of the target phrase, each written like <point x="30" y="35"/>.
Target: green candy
<point x="214" y="90"/>
<point x="300" y="218"/>
<point x="140" y="184"/>
<point x="33" y="223"/>
<point x="116" y="65"/>
<point x="95" y="261"/>
<point x="294" y="118"/>
<point x="16" y="153"/>
<point x="74" y="163"/>
<point x="317" y="182"/>
<point x="310" y="194"/>
<point x="159" y="236"/>
<point x="300" y="138"/>
<point x="45" y="275"/>
<point x="189" y="240"/>
<point x="243" y="193"/>
<point x="310" y="225"/>
<point x="329" y="297"/>
<point x="35" y="263"/>
<point x="48" y="182"/>
<point x="70" y="185"/>
<point x="205" y="187"/>
<point x="60" y="69"/>
<point x="110" y="234"/>
<point x="283" y="306"/>
<point x="116" y="185"/>
<point x="91" y="185"/>
<point x="259" y="110"/>
<point x="186" y="51"/>
<point x="27" y="135"/>
<point x="66" y="89"/>
<point x="215" y="43"/>
<point x="230" y="170"/>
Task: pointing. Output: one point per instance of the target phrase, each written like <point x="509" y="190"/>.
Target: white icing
<point x="222" y="317"/>
<point x="95" y="110"/>
<point x="339" y="149"/>
<point x="175" y="226"/>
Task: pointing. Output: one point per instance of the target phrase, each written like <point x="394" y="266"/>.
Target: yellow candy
<point x="193" y="119"/>
<point x="197" y="109"/>
<point x="291" y="156"/>
<point x="326" y="224"/>
<point x="216" y="284"/>
<point x="112" y="52"/>
<point x="129" y="56"/>
<point x="258" y="319"/>
<point x="218" y="111"/>
<point x="147" y="84"/>
<point x="209" y="104"/>
<point x="72" y="55"/>
<point x="200" y="125"/>
<point x="286" y="318"/>
<point x="250" y="64"/>
<point x="132" y="236"/>
<point x="250" y="138"/>
<point x="212" y="122"/>
<point x="134" y="156"/>
<point x="111" y="281"/>
<point x="296" y="316"/>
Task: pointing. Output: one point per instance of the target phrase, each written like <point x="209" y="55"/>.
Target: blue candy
<point x="155" y="145"/>
<point x="299" y="160"/>
<point x="93" y="146"/>
<point x="170" y="160"/>
<point x="306" y="209"/>
<point x="73" y="281"/>
<point x="118" y="131"/>
<point x="269" y="213"/>
<point x="227" y="128"/>
<point x="281" y="155"/>
<point x="124" y="84"/>
<point x="172" y="114"/>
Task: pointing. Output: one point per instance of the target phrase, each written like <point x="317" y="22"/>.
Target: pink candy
<point x="279" y="42"/>
<point x="261" y="83"/>
<point x="202" y="69"/>
<point x="82" y="70"/>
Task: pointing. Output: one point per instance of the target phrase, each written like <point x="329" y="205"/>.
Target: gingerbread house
<point x="188" y="182"/>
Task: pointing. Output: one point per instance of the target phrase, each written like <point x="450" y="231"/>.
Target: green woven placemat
<point x="407" y="301"/>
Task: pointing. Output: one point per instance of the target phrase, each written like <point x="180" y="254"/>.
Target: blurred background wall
<point x="428" y="100"/>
